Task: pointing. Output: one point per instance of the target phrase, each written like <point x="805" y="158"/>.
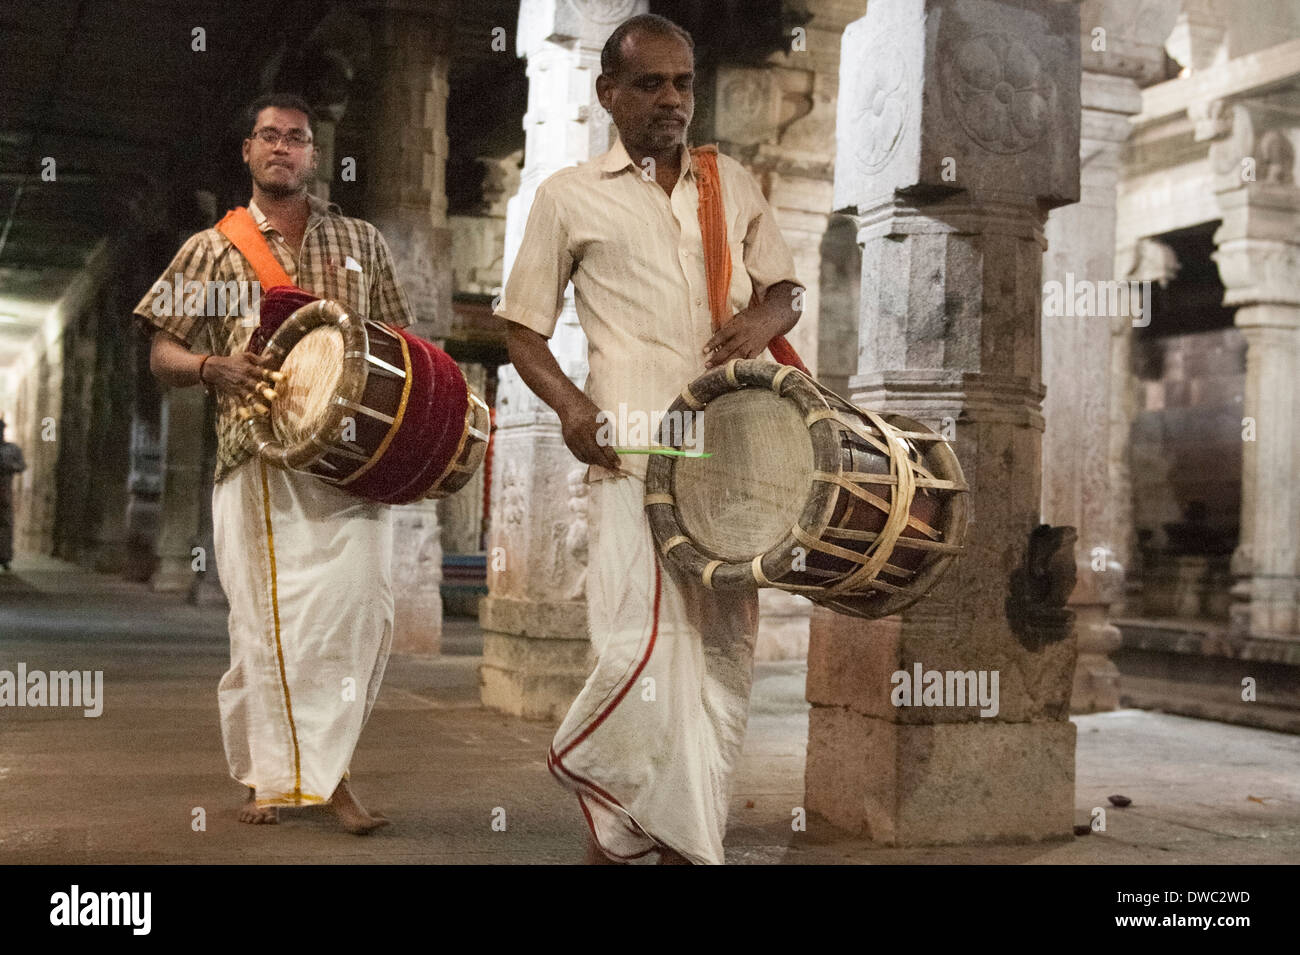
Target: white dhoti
<point x="307" y="570"/>
<point x="651" y="741"/>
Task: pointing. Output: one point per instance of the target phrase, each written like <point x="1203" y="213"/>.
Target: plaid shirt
<point x="343" y="259"/>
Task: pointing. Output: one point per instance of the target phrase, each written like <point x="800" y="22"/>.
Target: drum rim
<point x="661" y="508"/>
<point x="321" y="313"/>
<point x="808" y="396"/>
<point x="455" y="476"/>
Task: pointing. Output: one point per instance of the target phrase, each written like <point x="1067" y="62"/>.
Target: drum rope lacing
<point x="907" y="473"/>
<point x="903" y="478"/>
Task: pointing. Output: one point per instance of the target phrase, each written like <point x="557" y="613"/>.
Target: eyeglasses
<point x="294" y="137"/>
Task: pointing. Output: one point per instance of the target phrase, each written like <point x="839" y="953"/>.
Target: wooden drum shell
<point x="838" y="530"/>
<point x="383" y="369"/>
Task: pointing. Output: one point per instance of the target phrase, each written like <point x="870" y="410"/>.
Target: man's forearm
<point x="172" y="363"/>
<point x="531" y="355"/>
<point x="786" y="299"/>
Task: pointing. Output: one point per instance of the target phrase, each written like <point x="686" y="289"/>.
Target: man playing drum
<point x="306" y="567"/>
<point x="651" y="770"/>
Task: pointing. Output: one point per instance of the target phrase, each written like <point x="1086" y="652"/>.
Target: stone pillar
<point x="111" y="435"/>
<point x="778" y="119"/>
<point x="326" y="129"/>
<point x="958" y="129"/>
<point x="185" y="423"/>
<point x="1116" y="53"/>
<point x="1258" y="254"/>
<point x="1196" y="40"/>
<point x="144" y="489"/>
<point x="460" y="516"/>
<point x="406" y="200"/>
<point x="1150" y="260"/>
<point x="534" y="618"/>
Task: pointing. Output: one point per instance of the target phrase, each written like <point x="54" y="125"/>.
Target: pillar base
<point x="940" y="784"/>
<point x="1096" y="678"/>
<point x="536" y="656"/>
<point x="783" y="620"/>
<point x="417" y="579"/>
<point x="173" y="576"/>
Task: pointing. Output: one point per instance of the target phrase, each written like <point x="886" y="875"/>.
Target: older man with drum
<point x="649" y="745"/>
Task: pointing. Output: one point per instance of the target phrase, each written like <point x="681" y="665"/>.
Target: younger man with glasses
<point x="306" y="567"/>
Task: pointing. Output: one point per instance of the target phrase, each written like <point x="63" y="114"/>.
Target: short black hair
<point x="278" y="101"/>
<point x="611" y="57"/>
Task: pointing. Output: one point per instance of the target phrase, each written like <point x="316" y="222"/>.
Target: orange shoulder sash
<point x="241" y="229"/>
<point x="717" y="251"/>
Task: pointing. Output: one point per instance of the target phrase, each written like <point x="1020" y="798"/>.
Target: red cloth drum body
<point x="368" y="408"/>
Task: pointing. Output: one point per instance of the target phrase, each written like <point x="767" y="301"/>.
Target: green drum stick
<point x="671" y="452"/>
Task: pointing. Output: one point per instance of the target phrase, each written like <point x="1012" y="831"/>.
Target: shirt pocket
<point x="350" y="287"/>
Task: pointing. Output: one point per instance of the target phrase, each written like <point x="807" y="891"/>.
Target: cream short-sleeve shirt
<point x="636" y="259"/>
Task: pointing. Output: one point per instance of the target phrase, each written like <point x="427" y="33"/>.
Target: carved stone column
<point x="1196" y="40"/>
<point x="534" y="618"/>
<point x="144" y="488"/>
<point x="1117" y="51"/>
<point x="778" y="119"/>
<point x="406" y="200"/>
<point x="185" y="423"/>
<point x="1148" y="260"/>
<point x="958" y="129"/>
<point x="1258" y="256"/>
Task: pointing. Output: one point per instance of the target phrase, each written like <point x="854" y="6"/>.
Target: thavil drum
<point x="801" y="490"/>
<point x="368" y="408"/>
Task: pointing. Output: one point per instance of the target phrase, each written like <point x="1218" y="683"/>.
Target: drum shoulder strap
<point x="717" y="251"/>
<point x="239" y="226"/>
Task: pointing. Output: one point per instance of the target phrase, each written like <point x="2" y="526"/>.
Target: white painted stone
<point x="537" y="538"/>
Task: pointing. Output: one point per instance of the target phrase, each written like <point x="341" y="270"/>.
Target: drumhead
<point x="742" y="501"/>
<point x="312" y="371"/>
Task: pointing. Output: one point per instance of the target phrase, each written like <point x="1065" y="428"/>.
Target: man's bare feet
<point x="352" y="814"/>
<point x="256" y="815"/>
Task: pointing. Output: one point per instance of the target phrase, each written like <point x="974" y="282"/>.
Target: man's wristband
<point x="201" y="364"/>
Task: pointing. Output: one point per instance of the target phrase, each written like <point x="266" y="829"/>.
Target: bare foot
<point x="672" y="857"/>
<point x="594" y="855"/>
<point x="352" y="814"/>
<point x="256" y="815"/>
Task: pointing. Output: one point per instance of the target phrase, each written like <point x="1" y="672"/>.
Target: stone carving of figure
<point x="1040" y="589"/>
<point x="512" y="494"/>
<point x="1276" y="158"/>
<point x="571" y="540"/>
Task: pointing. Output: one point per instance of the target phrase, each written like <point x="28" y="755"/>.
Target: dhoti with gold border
<point x="307" y="570"/>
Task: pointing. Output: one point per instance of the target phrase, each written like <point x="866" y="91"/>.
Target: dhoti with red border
<point x="650" y="744"/>
<point x="307" y="569"/>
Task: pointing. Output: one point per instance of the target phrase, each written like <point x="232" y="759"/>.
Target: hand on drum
<point x="747" y="333"/>
<point x="579" y="427"/>
<point x="243" y="375"/>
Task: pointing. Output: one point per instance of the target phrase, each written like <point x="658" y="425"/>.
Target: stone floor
<point x="123" y="788"/>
